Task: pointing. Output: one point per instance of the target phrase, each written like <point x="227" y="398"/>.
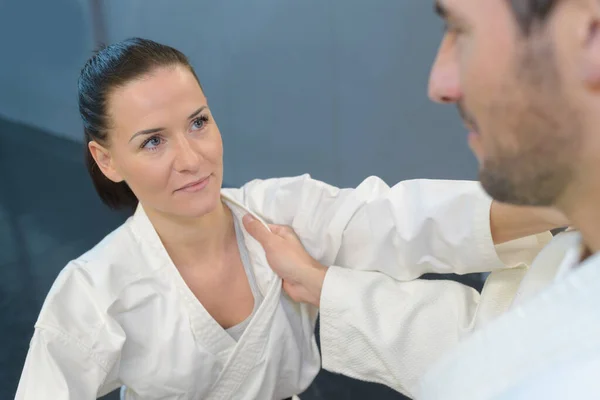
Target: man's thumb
<point x="256" y="229"/>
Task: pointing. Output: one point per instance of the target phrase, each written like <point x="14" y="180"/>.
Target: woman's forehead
<point x="165" y="91"/>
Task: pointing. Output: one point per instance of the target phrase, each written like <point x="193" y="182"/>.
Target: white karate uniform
<point x="122" y="315"/>
<point x="547" y="346"/>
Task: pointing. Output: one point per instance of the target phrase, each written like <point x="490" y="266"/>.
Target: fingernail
<point x="248" y="218"/>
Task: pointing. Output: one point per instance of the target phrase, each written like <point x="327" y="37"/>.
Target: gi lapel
<point x="252" y="344"/>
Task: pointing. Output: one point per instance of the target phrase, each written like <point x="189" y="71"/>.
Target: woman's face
<point x="164" y="143"/>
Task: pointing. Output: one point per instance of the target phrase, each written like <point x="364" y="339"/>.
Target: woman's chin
<point x="200" y="207"/>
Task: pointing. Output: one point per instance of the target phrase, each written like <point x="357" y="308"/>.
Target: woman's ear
<point x="104" y="161"/>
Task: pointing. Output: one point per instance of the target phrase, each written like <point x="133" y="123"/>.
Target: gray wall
<point x="336" y="88"/>
<point x="43" y="45"/>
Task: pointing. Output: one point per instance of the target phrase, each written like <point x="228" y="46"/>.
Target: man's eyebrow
<point x="447" y="14"/>
<point x="440" y="10"/>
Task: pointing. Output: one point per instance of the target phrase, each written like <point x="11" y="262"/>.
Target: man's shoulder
<point x="576" y="378"/>
<point x="558" y="325"/>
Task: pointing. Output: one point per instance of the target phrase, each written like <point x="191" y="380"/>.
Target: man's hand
<point x="302" y="275"/>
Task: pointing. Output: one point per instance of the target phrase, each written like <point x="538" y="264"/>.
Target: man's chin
<point x="500" y="187"/>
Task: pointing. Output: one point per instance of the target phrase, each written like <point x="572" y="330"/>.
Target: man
<point x="526" y="77"/>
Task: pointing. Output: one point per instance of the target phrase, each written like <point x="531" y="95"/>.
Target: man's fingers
<point x="283" y="231"/>
<point x="274" y="228"/>
<point x="257" y="230"/>
<point x="279" y="230"/>
<point x="288" y="232"/>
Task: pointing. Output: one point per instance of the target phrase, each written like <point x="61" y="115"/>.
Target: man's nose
<point x="444" y="80"/>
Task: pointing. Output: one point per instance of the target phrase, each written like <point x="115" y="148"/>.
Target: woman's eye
<point x="152" y="142"/>
<point x="199" y="122"/>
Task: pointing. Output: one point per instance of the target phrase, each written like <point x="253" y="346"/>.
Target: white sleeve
<point x="413" y="228"/>
<point x="75" y="346"/>
<point x="59" y="368"/>
<point x="377" y="329"/>
<point x="389" y="327"/>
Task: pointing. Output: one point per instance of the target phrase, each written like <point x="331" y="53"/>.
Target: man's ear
<point x="591" y="51"/>
<point x="104" y="161"/>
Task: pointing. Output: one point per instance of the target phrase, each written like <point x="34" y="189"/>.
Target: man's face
<point x="510" y="91"/>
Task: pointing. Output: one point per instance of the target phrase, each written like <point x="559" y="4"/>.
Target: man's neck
<point x="582" y="207"/>
<point x="195" y="241"/>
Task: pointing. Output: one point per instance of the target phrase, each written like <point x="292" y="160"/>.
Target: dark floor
<point x="49" y="214"/>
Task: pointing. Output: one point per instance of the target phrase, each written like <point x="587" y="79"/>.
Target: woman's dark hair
<point x="109" y="68"/>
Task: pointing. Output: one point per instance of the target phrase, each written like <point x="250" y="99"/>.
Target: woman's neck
<point x="195" y="241"/>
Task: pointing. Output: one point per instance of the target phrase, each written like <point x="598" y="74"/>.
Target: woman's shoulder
<point x="76" y="317"/>
<point x="89" y="285"/>
<point x="112" y="247"/>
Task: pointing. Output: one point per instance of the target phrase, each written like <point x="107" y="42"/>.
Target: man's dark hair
<point x="532" y="13"/>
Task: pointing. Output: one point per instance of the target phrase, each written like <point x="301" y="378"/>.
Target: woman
<point x="179" y="302"/>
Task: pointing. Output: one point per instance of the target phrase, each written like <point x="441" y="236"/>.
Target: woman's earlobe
<point x="104" y="160"/>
